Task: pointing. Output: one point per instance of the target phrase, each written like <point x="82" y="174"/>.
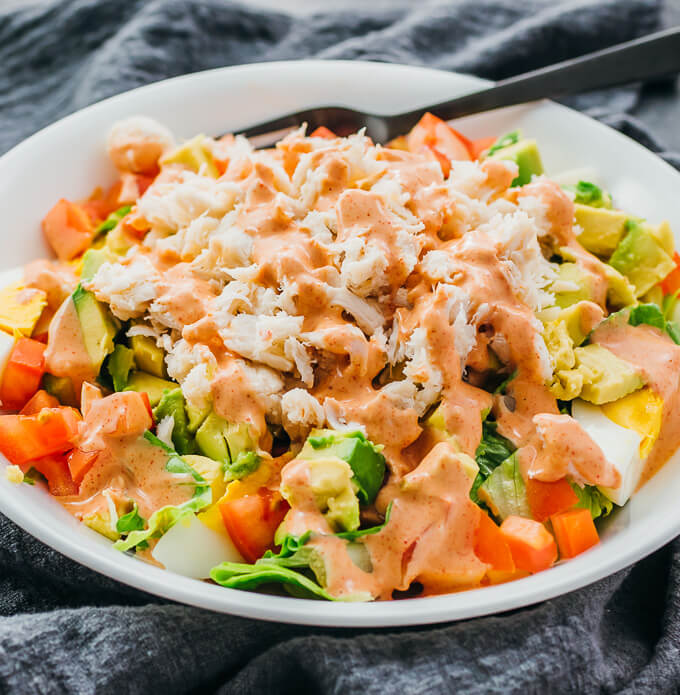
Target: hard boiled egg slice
<point x="620" y="446"/>
<point x="192" y="549"/>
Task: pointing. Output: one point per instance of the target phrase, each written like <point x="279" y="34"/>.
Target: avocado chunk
<point x="118" y="242"/>
<point x="172" y="405"/>
<point x="572" y="285"/>
<point x="148" y="356"/>
<point x="93" y="259"/>
<point x="525" y="154"/>
<point x="61" y="387"/>
<point x="662" y="234"/>
<point x="229" y="443"/>
<point x="195" y="416"/>
<point x="641" y="258"/>
<point x="435" y="428"/>
<point x="149" y="384"/>
<point x="193" y="154"/>
<point x="363" y="457"/>
<point x="97" y="324"/>
<point x="331" y="479"/>
<point x="120" y="363"/>
<point x="606" y="377"/>
<point x="602" y="228"/>
<point x="587" y="193"/>
<point x="579" y="320"/>
<point x="620" y="292"/>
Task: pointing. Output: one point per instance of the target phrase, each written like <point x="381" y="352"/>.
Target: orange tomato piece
<point x="431" y="131"/>
<point x="40" y="400"/>
<point x="25" y="438"/>
<point x="491" y="547"/>
<point x="481" y="145"/>
<point x="252" y="520"/>
<point x="546" y="499"/>
<point x="671" y="283"/>
<point x="79" y="463"/>
<point x="23" y="373"/>
<point x="532" y="546"/>
<point x="55" y="469"/>
<point x="68" y="229"/>
<point x="323" y="132"/>
<point x="575" y="532"/>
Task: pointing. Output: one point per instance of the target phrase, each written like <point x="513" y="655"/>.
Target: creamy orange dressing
<point x="55" y="278"/>
<point x="657" y="359"/>
<point x="66" y="354"/>
<point x="559" y="448"/>
<point x="127" y="466"/>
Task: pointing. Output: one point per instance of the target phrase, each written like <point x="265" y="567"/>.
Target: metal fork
<point x="653" y="56"/>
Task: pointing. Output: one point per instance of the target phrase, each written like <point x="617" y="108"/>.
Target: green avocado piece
<point x="572" y="285"/>
<point x="151" y="385"/>
<point x="195" y="416"/>
<point x="602" y="228"/>
<point x="222" y="440"/>
<point x="193" y="154"/>
<point x="641" y="258"/>
<point x="577" y="322"/>
<point x="606" y="377"/>
<point x="525" y="154"/>
<point x="98" y="325"/>
<point x="61" y="387"/>
<point x="364" y="458"/>
<point x="119" y="365"/>
<point x="118" y="242"/>
<point x="92" y="259"/>
<point x="172" y="404"/>
<point x="331" y="480"/>
<point x="148" y="356"/>
<point x="587" y="193"/>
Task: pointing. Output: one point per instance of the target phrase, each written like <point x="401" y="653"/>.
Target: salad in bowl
<point x="350" y="371"/>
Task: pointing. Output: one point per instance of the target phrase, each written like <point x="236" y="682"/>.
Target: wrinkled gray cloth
<point x="66" y="629"/>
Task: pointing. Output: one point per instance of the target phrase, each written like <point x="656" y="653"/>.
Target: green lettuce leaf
<point x="491" y="452"/>
<point x="353" y="535"/>
<point x="131" y="521"/>
<point x="504" y="490"/>
<point x="590" y="497"/>
<point x="651" y="315"/>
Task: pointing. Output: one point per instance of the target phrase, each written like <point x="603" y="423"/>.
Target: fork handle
<point x="652" y="56"/>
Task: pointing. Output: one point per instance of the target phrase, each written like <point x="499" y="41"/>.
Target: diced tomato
<point x="23" y="373"/>
<point x="481" y="145"/>
<point x="24" y="438"/>
<point x="40" y="400"/>
<point x="68" y="229"/>
<point x="323" y="132"/>
<point x="431" y="132"/>
<point x="79" y="463"/>
<point x="252" y="520"/>
<point x="443" y="160"/>
<point x="55" y="469"/>
<point x="546" y="499"/>
<point x="574" y="531"/>
<point x="491" y="547"/>
<point x="532" y="546"/>
<point x="147" y="403"/>
<point x="671" y="282"/>
<point x="125" y="413"/>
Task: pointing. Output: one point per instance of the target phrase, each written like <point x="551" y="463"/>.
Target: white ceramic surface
<point x="68" y="159"/>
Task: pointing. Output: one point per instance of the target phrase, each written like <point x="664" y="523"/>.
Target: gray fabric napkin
<point x="65" y="629"/>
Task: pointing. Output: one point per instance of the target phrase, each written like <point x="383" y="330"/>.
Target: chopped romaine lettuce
<point x="504" y="490"/>
<point x="491" y="452"/>
<point x="172" y="404"/>
<point x="590" y="497"/>
<point x="131" y="521"/>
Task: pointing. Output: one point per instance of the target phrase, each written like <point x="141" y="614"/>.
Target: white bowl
<point x="68" y="159"/>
